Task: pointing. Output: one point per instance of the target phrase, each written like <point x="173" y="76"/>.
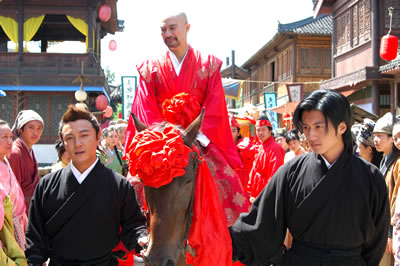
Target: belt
<point x="314" y="250"/>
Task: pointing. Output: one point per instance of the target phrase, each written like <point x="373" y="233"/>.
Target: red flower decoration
<point x="158" y="157"/>
<point x="181" y="110"/>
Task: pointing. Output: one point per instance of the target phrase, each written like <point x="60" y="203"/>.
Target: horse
<point x="170" y="208"/>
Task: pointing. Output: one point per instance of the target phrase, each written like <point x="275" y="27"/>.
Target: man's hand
<point x="389" y="249"/>
<point x="143" y="241"/>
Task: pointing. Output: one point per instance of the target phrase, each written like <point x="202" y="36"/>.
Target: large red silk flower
<point x="182" y="109"/>
<point x="158" y="157"/>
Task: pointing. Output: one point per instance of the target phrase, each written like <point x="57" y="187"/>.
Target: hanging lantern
<point x="80" y="96"/>
<point x="112" y="45"/>
<point x="286" y="117"/>
<point x="389" y="43"/>
<point x="389" y="47"/>
<point x="101" y="102"/>
<point x="104" y="12"/>
<point x="108" y="112"/>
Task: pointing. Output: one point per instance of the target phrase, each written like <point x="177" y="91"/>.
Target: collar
<point x="80" y="177"/>
<point x="26" y="146"/>
<point x="328" y="165"/>
<point x="175" y="61"/>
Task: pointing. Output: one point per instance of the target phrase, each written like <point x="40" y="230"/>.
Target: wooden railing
<point x="48" y="63"/>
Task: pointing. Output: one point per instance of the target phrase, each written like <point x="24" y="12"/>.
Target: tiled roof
<point x="322" y="25"/>
<point x="395" y="64"/>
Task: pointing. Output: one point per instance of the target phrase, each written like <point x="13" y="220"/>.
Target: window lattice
<point x="58" y="106"/>
<point x="7" y="109"/>
<point x="316" y="58"/>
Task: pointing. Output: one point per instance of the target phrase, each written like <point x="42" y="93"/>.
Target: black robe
<point x="343" y="208"/>
<point x="79" y="224"/>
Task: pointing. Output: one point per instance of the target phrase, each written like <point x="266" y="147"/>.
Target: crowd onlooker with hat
<point x="269" y="158"/>
<point x="365" y="143"/>
<point x="28" y="127"/>
<point x="390" y="169"/>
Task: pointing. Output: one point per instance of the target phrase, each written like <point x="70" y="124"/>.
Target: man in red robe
<point x="269" y="158"/>
<point x="185" y="70"/>
<point x="28" y="127"/>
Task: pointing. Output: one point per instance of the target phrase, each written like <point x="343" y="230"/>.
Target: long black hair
<point x="334" y="106"/>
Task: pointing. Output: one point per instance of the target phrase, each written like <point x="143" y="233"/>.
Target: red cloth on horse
<point x="209" y="234"/>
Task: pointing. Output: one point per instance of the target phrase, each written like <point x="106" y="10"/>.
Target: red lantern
<point x="286" y="117"/>
<point x="104" y="12"/>
<point x="108" y="112"/>
<point x="389" y="47"/>
<point x="101" y="102"/>
<point x="112" y="45"/>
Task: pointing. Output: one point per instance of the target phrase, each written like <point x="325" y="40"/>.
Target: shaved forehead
<point x="180" y="15"/>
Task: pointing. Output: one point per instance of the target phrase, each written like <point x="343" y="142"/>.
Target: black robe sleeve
<point x="133" y="222"/>
<point x="373" y="249"/>
<point x="36" y="240"/>
<point x="259" y="235"/>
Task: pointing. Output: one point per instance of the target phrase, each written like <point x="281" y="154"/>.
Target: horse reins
<point x="185" y="245"/>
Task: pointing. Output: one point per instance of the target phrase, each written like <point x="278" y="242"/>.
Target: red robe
<point x="247" y="150"/>
<point x="200" y="77"/>
<point x="269" y="158"/>
<point x="25" y="169"/>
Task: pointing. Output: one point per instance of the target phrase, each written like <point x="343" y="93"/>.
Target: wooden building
<point x="44" y="81"/>
<point x="357" y="29"/>
<point x="300" y="52"/>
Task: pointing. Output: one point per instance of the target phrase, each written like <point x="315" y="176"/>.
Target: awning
<point x="53" y="88"/>
<point x="288" y="107"/>
<point x="352" y="79"/>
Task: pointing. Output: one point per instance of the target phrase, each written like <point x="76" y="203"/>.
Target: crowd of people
<point x="324" y="193"/>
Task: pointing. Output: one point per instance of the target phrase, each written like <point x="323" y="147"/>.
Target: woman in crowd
<point x="112" y="157"/>
<point x="365" y="143"/>
<point x="292" y="138"/>
<point x="12" y="206"/>
<point x="63" y="157"/>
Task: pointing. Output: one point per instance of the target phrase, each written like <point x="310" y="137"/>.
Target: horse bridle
<point x="184" y="246"/>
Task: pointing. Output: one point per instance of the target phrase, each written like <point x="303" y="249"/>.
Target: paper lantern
<point x="80" y="96"/>
<point x="112" y="45"/>
<point x="389" y="47"/>
<point x="101" y="102"/>
<point x="82" y="106"/>
<point x="108" y="112"/>
<point x="286" y="117"/>
<point x="104" y="12"/>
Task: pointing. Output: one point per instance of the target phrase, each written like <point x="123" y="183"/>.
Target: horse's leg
<point x="182" y="261"/>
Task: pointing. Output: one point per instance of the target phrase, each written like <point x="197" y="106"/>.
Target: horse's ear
<point x="190" y="133"/>
<point x="139" y="125"/>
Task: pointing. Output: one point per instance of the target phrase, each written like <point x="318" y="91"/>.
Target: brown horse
<point x="170" y="208"/>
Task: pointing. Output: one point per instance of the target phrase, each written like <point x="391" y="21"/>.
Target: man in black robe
<point x="334" y="204"/>
<point x="80" y="213"/>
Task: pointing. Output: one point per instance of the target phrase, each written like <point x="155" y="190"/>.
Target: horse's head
<point x="170" y="207"/>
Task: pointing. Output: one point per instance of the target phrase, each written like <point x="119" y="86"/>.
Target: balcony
<point x="48" y="68"/>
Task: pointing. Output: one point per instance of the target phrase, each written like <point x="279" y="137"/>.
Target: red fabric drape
<point x="209" y="234"/>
